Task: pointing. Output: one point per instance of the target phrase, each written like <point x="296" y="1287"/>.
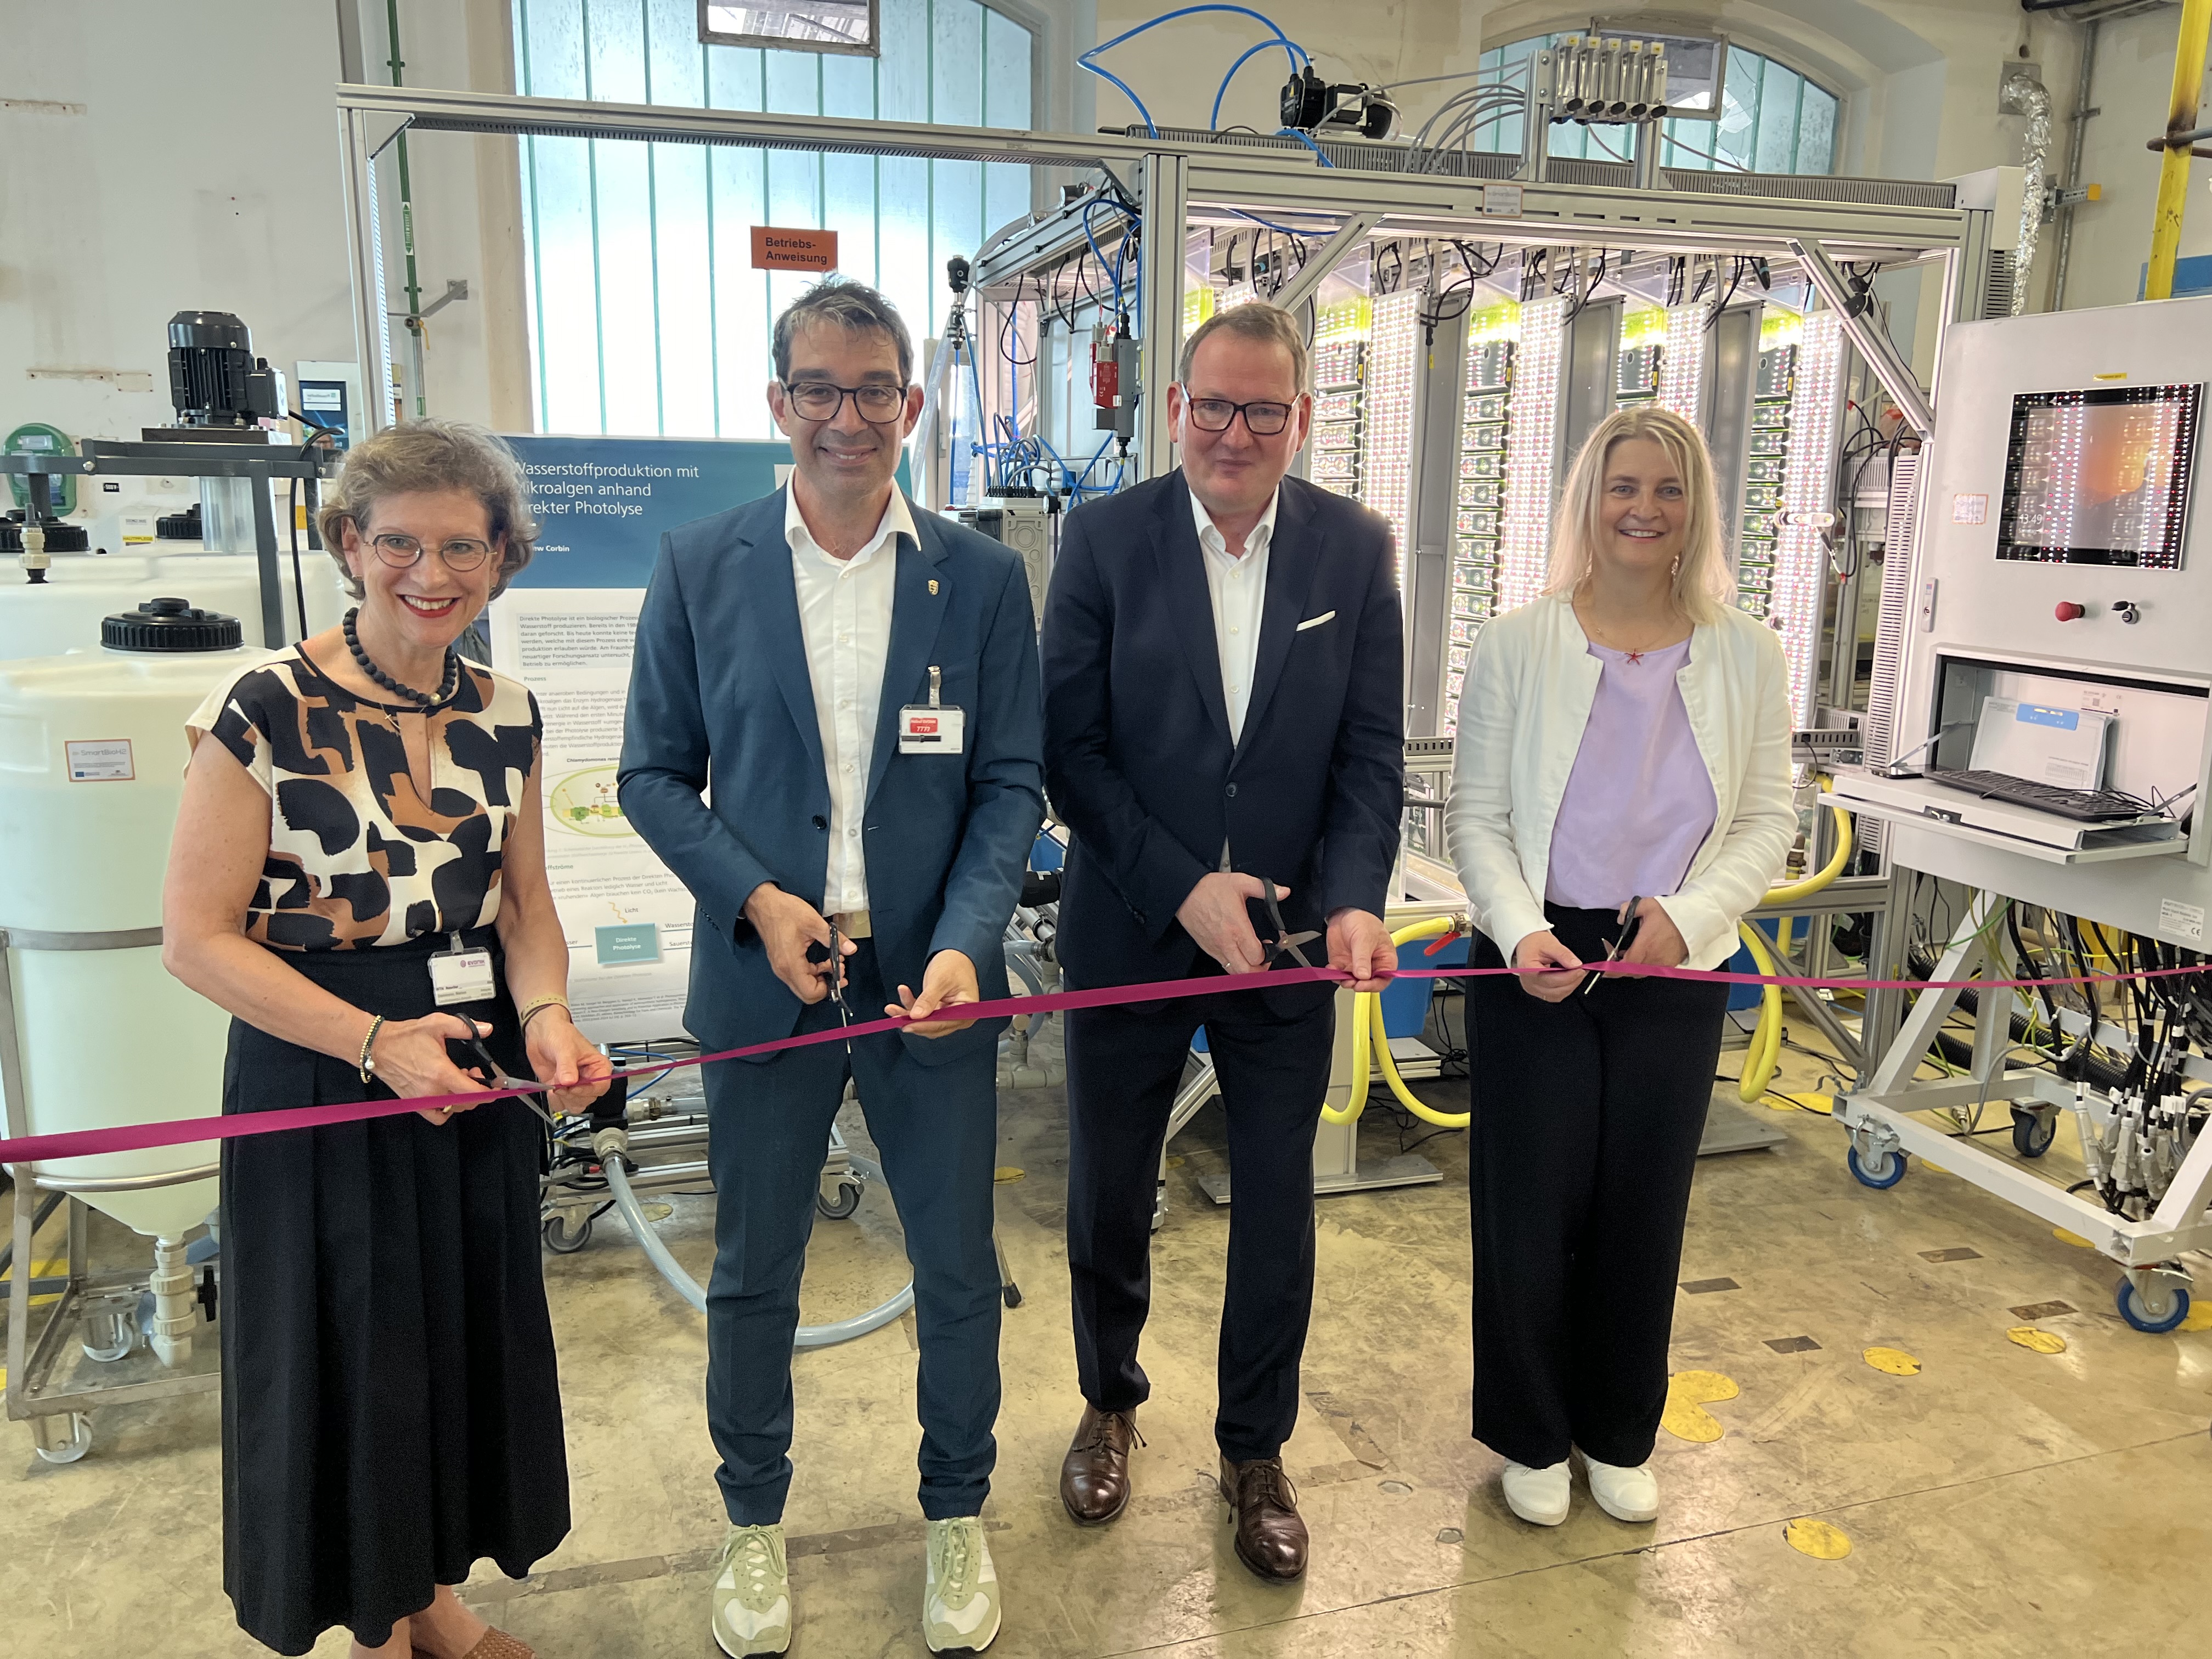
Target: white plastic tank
<point x="37" y="620"/>
<point x="92" y="763"/>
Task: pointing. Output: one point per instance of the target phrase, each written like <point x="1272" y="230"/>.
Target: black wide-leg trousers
<point x="1583" y="1137"/>
<point x="1124" y="1067"/>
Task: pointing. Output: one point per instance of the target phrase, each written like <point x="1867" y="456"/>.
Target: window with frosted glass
<point x="646" y="315"/>
<point x="1773" y="119"/>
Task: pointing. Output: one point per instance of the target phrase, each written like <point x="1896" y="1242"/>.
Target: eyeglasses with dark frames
<point x="461" y="555"/>
<point x="880" y="403"/>
<point x="1261" y="420"/>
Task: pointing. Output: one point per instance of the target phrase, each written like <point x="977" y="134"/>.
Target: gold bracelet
<point x="539" y="1007"/>
<point x="367" y="1062"/>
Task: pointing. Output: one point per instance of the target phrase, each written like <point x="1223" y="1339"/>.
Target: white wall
<point x="2134" y="81"/>
<point x="155" y="158"/>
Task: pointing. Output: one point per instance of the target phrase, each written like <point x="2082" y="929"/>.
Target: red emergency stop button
<point x="2068" y="611"/>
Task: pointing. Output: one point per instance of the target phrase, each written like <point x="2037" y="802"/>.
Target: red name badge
<point x="931" y="730"/>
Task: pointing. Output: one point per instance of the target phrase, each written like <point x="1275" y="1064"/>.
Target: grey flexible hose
<point x="809" y="1336"/>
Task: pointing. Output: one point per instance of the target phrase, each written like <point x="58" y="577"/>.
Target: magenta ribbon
<point x="140" y="1137"/>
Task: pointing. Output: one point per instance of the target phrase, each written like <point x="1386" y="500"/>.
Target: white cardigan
<point x="1529" y="687"/>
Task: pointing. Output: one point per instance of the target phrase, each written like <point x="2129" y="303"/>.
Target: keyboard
<point x="2083" y="805"/>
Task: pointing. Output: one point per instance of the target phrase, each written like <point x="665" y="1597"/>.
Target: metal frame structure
<point x="1197" y="178"/>
<point x="97" y="1304"/>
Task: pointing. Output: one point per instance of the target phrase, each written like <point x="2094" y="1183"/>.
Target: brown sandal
<point x="494" y="1644"/>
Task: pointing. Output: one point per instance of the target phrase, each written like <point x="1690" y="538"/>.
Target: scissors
<point x="835" y="960"/>
<point x="1286" y="942"/>
<point x="498" y="1078"/>
<point x="1628" y="938"/>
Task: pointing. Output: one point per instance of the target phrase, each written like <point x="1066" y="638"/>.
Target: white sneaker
<point x="960" y="1597"/>
<point x="1537" y="1495"/>
<point x="752" y="1594"/>
<point x="1624" y="1494"/>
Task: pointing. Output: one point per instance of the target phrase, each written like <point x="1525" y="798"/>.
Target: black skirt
<point x="391" y="1412"/>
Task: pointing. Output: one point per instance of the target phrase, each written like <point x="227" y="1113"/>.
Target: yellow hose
<point x="1764" y="1055"/>
<point x="1371" y="1046"/>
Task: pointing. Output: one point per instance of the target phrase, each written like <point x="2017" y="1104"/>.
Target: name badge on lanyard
<point x="460" y="976"/>
<point x="934" y="727"/>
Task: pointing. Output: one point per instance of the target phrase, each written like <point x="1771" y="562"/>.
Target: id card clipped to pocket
<point x="460" y="976"/>
<point x="934" y="727"/>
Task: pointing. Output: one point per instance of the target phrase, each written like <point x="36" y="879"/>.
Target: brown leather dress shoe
<point x="1271" y="1538"/>
<point x="1094" y="1476"/>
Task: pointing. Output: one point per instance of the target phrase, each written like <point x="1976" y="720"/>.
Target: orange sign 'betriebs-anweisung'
<point x="776" y="249"/>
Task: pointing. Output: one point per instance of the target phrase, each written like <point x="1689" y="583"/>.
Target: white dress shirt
<point x="1237" y="587"/>
<point x="845" y="613"/>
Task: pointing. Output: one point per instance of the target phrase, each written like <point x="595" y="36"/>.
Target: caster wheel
<point x="55" y="1449"/>
<point x="564" y="1239"/>
<point x="2033" y="1132"/>
<point x="840" y="1207"/>
<point x="1884" y="1170"/>
<point x="2154" y="1314"/>
<point x="1012" y="1295"/>
<point x="109" y="1337"/>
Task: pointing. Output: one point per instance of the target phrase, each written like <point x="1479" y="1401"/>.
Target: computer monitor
<point x="2100" y="476"/>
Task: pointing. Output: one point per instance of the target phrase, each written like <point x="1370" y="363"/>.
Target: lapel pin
<point x="933" y="585"/>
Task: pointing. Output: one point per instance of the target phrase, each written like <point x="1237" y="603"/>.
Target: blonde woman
<point x="358" y="875"/>
<point x="1622" y="782"/>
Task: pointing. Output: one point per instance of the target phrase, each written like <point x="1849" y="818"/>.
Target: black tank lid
<point x="61" y="535"/>
<point x="178" y="526"/>
<point x="171" y="625"/>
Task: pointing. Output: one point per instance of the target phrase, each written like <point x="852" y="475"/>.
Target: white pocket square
<point x="1315" y="621"/>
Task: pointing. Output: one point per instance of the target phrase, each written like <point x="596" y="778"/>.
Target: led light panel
<point x="1532" y="431"/>
<point x="1682" y="363"/>
<point x="1386" y="483"/>
<point x="1800" y="554"/>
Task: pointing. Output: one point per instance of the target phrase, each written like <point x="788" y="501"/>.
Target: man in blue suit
<point x="1223" y="729"/>
<point x="859" y="682"/>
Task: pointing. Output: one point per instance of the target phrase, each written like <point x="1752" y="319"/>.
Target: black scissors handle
<point x="1628" y="931"/>
<point x="1285" y="943"/>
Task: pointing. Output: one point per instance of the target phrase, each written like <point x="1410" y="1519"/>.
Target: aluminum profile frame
<point x="1212" y="175"/>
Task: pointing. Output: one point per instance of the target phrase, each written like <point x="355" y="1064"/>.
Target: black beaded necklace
<point x="423" y="700"/>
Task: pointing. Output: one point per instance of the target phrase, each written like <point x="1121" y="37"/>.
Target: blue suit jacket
<point x="1138" y="762"/>
<point x="721" y="693"/>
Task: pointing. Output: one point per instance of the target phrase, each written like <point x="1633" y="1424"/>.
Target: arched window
<point x="646" y="315"/>
<point x="1773" y="119"/>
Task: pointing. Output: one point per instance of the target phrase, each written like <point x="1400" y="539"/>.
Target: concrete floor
<point x="1999" y="1502"/>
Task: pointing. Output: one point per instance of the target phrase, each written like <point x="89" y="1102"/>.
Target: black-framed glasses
<point x="461" y="555"/>
<point x="879" y="404"/>
<point x="1262" y="420"/>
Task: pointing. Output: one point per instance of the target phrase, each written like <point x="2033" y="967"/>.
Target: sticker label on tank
<point x="99" y="760"/>
<point x="2182" y="923"/>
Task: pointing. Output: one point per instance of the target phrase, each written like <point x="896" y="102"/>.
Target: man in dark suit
<point x="859" y="683"/>
<point x="1223" y="710"/>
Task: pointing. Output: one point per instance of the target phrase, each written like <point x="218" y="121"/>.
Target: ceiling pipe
<point x="2079" y="120"/>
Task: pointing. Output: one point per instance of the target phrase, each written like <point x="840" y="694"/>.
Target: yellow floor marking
<point x="1935" y="1168"/>
<point x="2037" y="1341"/>
<point x="1175" y="1160"/>
<point x="1893" y="1361"/>
<point x="2200" y="1317"/>
<point x="1006" y="1172"/>
<point x="1687" y="1395"/>
<point x="53" y="1269"/>
<point x="1817" y="1539"/>
<point x="2065" y="1237"/>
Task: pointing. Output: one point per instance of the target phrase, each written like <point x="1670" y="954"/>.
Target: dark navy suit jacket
<point x="1137" y="759"/>
<point x="720" y="694"/>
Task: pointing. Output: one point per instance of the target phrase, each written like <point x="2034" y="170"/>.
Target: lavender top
<point x="1638" y="804"/>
